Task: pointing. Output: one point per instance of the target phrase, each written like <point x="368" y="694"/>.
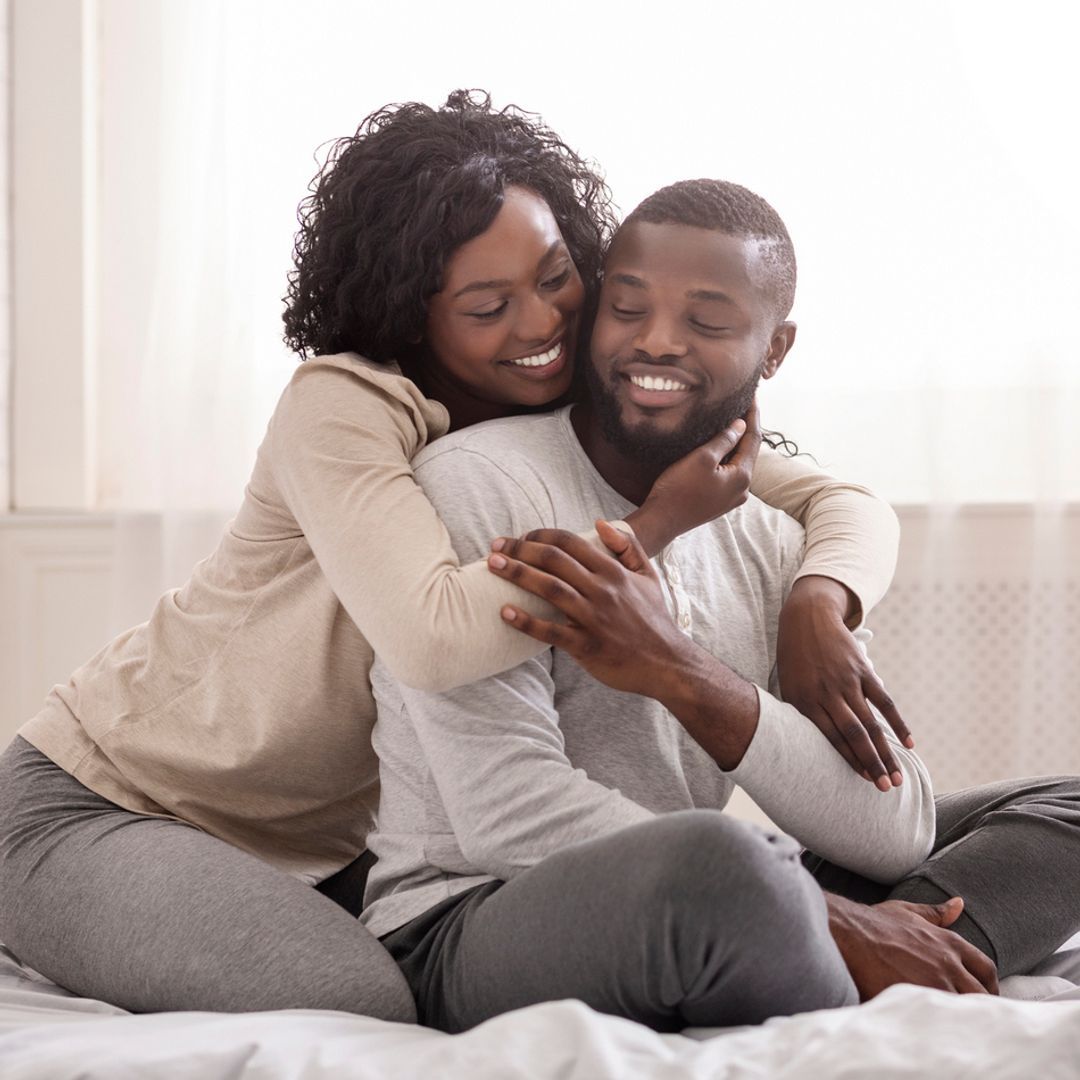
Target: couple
<point x="183" y="825"/>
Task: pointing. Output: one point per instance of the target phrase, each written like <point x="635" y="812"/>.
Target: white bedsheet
<point x="907" y="1032"/>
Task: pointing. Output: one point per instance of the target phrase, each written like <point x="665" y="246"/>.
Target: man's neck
<point x="631" y="479"/>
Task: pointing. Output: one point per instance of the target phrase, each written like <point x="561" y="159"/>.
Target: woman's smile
<point x="541" y="365"/>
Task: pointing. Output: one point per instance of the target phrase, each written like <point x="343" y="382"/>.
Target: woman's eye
<point x="494" y="313"/>
<point x="558" y="281"/>
<point x="626" y="313"/>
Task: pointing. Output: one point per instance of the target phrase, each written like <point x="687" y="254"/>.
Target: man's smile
<point x="656" y="386"/>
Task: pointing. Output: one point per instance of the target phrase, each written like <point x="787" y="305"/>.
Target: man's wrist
<point x="841" y="918"/>
<point x="718" y="708"/>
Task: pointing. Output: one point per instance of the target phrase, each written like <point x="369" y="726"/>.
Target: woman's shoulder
<point x="349" y="386"/>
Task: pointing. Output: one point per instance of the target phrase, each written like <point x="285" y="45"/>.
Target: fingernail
<point x="897" y="779"/>
<point x="496" y="562"/>
<point x="909" y="742"/>
<point x="497" y="545"/>
<point x="883" y="783"/>
<point x="509" y="614"/>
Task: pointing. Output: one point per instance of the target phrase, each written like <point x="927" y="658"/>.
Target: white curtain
<point x="922" y="155"/>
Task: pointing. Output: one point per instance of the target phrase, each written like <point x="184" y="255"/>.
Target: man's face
<point x="684" y="331"/>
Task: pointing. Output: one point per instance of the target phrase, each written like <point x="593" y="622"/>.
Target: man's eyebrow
<point x="481" y="286"/>
<point x="709" y="294"/>
<point x="694" y="294"/>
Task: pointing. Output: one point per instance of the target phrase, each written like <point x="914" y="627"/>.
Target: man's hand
<point x="619" y="630"/>
<point x="897" y="942"/>
<point x="618" y="627"/>
<point x="828" y="678"/>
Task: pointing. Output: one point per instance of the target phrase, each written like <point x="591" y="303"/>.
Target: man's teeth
<point x="540" y="359"/>
<point x="652" y="382"/>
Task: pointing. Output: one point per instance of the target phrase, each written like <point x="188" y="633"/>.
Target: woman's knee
<point x="373" y="987"/>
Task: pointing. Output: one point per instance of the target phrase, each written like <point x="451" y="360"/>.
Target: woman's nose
<point x="539" y="322"/>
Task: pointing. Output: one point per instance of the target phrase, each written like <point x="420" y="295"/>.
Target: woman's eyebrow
<point x="505" y="283"/>
<point x="480" y="286"/>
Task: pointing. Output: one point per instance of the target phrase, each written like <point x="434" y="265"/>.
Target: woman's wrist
<point x="652" y="528"/>
<point x="826" y="594"/>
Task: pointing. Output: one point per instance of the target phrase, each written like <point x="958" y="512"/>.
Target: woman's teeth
<point x="541" y="359"/>
<point x="652" y="382"/>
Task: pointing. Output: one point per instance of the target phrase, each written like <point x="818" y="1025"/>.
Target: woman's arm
<point x="340" y="442"/>
<point x="852" y="539"/>
<point x="852" y="536"/>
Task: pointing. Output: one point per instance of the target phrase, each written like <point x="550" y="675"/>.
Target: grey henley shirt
<point x="484" y="781"/>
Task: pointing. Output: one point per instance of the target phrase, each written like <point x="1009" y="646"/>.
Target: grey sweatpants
<point x="152" y="914"/>
<point x="695" y="918"/>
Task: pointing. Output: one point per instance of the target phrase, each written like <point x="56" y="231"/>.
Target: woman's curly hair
<point x="395" y="200"/>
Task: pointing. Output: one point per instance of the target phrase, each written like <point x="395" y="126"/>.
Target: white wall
<point x="915" y="151"/>
<point x="5" y="254"/>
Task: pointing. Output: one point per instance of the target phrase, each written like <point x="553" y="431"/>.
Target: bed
<point x="47" y="1033"/>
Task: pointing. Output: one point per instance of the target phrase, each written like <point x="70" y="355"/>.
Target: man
<point x="543" y="834"/>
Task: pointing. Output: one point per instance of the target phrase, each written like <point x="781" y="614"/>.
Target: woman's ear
<point x="779" y="346"/>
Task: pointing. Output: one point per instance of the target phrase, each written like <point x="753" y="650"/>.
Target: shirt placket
<point x="673" y="577"/>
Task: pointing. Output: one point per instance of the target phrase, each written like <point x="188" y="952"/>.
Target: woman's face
<point x="504" y="327"/>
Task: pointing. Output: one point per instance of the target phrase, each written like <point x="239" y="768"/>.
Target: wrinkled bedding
<point x="48" y="1034"/>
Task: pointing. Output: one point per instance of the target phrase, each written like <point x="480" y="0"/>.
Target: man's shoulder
<point x="755" y="533"/>
<point x="512" y="437"/>
<point x="761" y="518"/>
<point x="508" y="474"/>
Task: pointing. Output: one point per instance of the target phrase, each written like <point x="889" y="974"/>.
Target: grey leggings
<point x="152" y="914"/>
<point x="698" y="919"/>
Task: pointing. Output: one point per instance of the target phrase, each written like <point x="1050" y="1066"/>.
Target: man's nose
<point x="540" y="320"/>
<point x="659" y="336"/>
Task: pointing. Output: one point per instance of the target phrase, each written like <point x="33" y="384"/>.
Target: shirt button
<point x="684" y="620"/>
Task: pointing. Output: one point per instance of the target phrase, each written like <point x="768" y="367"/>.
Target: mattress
<point x="48" y="1034"/>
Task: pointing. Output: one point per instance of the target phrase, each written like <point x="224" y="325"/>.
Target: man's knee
<point x="739" y="895"/>
<point x="698" y="851"/>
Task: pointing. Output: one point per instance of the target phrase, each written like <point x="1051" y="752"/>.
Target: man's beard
<point x="658" y="449"/>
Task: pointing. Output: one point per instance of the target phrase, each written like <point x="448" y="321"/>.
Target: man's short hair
<point x="735" y="211"/>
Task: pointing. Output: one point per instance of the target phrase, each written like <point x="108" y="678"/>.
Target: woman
<point x="167" y="812"/>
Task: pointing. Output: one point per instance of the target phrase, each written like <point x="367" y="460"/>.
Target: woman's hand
<point x="828" y="678"/>
<point x="700" y="487"/>
<point x="618" y="627"/>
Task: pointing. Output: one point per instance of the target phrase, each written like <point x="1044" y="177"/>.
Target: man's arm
<point x="619" y="630"/>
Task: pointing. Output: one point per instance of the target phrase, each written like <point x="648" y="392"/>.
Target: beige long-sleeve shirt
<point x="243" y="704"/>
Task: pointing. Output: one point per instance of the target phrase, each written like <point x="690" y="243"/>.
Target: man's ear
<point x="779" y="346"/>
